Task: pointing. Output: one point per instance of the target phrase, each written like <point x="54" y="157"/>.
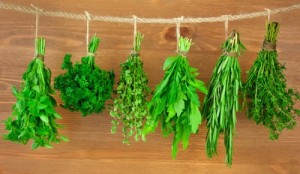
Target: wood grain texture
<point x="92" y="148"/>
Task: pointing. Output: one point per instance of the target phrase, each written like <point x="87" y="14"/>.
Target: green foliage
<point x="269" y="102"/>
<point x="33" y="115"/>
<point x="130" y="105"/>
<point x="85" y="87"/>
<point x="175" y="103"/>
<point x="222" y="101"/>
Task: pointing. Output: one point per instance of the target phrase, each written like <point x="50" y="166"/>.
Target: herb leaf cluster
<point x="175" y="104"/>
<point x="222" y="101"/>
<point x="269" y="101"/>
<point x="85" y="87"/>
<point x="130" y="106"/>
<point x="33" y="115"/>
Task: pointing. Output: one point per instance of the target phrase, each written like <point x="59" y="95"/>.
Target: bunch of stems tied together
<point x="269" y="101"/>
<point x="130" y="105"/>
<point x="175" y="103"/>
<point x="33" y="116"/>
<point x="85" y="87"/>
<point x="222" y="101"/>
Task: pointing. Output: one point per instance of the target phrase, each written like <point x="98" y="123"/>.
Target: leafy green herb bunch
<point x="33" y="116"/>
<point x="269" y="101"/>
<point x="85" y="87"/>
<point x="222" y="101"/>
<point x="130" y="105"/>
<point x="175" y="104"/>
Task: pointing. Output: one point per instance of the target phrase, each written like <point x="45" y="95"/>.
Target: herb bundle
<point x="85" y="87"/>
<point x="175" y="103"/>
<point x="130" y="106"/>
<point x="33" y="116"/>
<point x="269" y="102"/>
<point x="222" y="101"/>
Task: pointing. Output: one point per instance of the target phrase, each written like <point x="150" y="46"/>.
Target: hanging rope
<point x="134" y="31"/>
<point x="36" y="20"/>
<point x="147" y="20"/>
<point x="88" y="18"/>
<point x="269" y="14"/>
<point x="178" y="31"/>
<point x="36" y="53"/>
<point x="226" y="26"/>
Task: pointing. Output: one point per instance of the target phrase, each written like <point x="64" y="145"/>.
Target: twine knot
<point x="91" y="54"/>
<point x="182" y="53"/>
<point x="231" y="54"/>
<point x="39" y="56"/>
<point x="269" y="46"/>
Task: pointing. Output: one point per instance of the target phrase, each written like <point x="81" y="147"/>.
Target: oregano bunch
<point x="33" y="116"/>
<point x="130" y="105"/>
<point x="222" y="101"/>
<point x="269" y="101"/>
<point x="175" y="104"/>
<point x="85" y="87"/>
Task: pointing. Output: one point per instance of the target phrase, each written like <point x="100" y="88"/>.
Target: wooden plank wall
<point x="92" y="148"/>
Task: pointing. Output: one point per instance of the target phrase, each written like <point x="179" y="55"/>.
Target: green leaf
<point x="171" y="113"/>
<point x="41" y="106"/>
<point x="179" y="106"/>
<point x="195" y="118"/>
<point x="44" y="118"/>
<point x="36" y="88"/>
<point x="14" y="91"/>
<point x="56" y="115"/>
<point x="64" y="138"/>
<point x="43" y="99"/>
<point x="185" y="137"/>
<point x="35" y="145"/>
<point x="199" y="85"/>
<point x="48" y="146"/>
<point x="169" y="62"/>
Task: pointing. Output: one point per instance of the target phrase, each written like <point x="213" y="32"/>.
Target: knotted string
<point x="179" y="20"/>
<point x="88" y="18"/>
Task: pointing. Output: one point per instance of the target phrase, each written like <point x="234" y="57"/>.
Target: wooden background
<point x="92" y="148"/>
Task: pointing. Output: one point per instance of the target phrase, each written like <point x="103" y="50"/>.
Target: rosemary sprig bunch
<point x="175" y="104"/>
<point x="33" y="115"/>
<point x="222" y="101"/>
<point x="269" y="101"/>
<point x="85" y="87"/>
<point x="130" y="105"/>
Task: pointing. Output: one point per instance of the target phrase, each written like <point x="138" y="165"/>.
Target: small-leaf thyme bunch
<point x="130" y="105"/>
<point x="222" y="101"/>
<point x="175" y="103"/>
<point x="33" y="115"/>
<point x="85" y="87"/>
<point x="269" y="102"/>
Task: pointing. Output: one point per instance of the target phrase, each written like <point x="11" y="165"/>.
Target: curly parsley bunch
<point x="85" y="87"/>
<point x="33" y="115"/>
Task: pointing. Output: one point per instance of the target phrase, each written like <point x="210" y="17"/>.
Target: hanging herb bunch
<point x="222" y="101"/>
<point x="269" y="102"/>
<point x="33" y="115"/>
<point x="85" y="87"/>
<point x="175" y="103"/>
<point x="130" y="106"/>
